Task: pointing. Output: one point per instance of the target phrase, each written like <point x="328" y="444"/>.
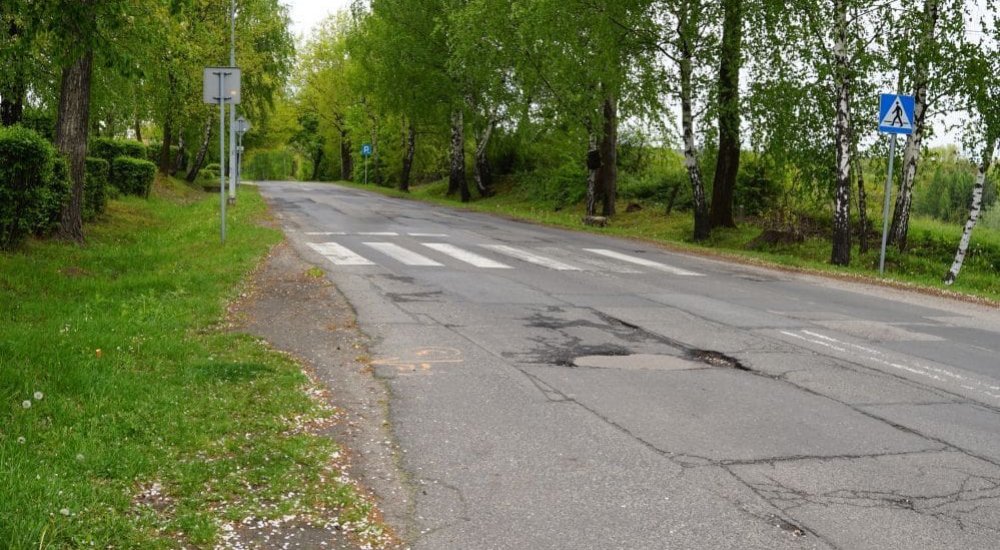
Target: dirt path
<point x="295" y="308"/>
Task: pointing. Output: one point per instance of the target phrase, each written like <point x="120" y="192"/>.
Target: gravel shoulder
<point x="292" y="306"/>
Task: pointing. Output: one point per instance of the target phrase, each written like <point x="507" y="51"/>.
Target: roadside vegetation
<point x="131" y="416"/>
<point x="730" y="122"/>
<point x="642" y="216"/>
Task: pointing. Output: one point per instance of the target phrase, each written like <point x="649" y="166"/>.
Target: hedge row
<point x="95" y="188"/>
<point x="109" y="149"/>
<point x="133" y="176"/>
<point x="33" y="185"/>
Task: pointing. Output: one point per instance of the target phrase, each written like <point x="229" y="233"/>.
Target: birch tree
<point x="937" y="32"/>
<point x="982" y="90"/>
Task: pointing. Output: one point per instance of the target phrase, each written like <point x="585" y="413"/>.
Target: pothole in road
<point x="695" y="359"/>
<point x="716" y="359"/>
<point x="638" y="361"/>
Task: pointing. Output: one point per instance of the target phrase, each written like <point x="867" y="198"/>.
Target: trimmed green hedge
<point x="54" y="195"/>
<point x="95" y="188"/>
<point x="132" y="176"/>
<point x="33" y="185"/>
<point x="109" y="149"/>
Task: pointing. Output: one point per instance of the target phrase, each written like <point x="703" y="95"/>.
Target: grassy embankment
<point x="931" y="244"/>
<point x="130" y="417"/>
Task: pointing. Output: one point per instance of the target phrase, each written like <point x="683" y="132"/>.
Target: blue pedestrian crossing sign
<point x="895" y="114"/>
<point x="366" y="149"/>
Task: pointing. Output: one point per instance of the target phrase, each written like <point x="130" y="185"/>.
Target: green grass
<point x="930" y="252"/>
<point x="155" y="425"/>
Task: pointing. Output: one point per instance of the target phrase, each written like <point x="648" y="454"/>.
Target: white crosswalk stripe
<point x="609" y="260"/>
<point x="643" y="262"/>
<point x="531" y="257"/>
<point x="466" y="256"/>
<point x="339" y="255"/>
<point x="403" y="255"/>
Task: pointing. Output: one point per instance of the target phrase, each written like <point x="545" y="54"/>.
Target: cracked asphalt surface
<point x="594" y="402"/>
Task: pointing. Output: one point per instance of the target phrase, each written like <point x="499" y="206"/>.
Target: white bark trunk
<point x="977" y="203"/>
<point x="914" y="142"/>
<point x="841" y="254"/>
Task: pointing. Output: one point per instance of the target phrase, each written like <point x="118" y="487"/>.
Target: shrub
<point x="26" y="165"/>
<point x="153" y="155"/>
<point x="132" y="176"/>
<point x="110" y="149"/>
<point x="212" y="167"/>
<point x="52" y="197"/>
<point x="95" y="188"/>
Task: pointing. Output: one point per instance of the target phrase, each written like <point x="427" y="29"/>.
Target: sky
<point x="306" y="13"/>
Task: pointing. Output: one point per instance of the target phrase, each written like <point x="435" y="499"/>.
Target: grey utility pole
<point x="232" y="106"/>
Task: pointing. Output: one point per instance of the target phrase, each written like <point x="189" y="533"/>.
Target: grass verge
<point x="129" y="416"/>
<point x="931" y="244"/>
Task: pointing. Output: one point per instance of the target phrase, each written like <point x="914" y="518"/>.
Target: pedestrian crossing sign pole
<point x="895" y="116"/>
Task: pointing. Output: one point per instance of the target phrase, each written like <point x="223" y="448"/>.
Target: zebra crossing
<point x="434" y="254"/>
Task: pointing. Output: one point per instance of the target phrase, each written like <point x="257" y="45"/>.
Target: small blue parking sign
<point x="895" y="114"/>
<point x="366" y="149"/>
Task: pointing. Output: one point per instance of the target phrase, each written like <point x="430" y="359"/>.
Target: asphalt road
<point x="551" y="389"/>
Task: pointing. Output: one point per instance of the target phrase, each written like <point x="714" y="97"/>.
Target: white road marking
<point x="378" y="234"/>
<point x="325" y="233"/>
<point x="338" y="254"/>
<point x="934" y="373"/>
<point x="403" y="255"/>
<point x="531" y="257"/>
<point x="643" y="262"/>
<point x="429" y="235"/>
<point x="466" y="256"/>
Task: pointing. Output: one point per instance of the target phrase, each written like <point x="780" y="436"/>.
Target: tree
<point x="728" y="106"/>
<point x="982" y="92"/>
<point x="938" y="33"/>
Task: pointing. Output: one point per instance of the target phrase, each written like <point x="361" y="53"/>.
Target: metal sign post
<point x="222" y="85"/>
<point x="366" y="151"/>
<point x="895" y="116"/>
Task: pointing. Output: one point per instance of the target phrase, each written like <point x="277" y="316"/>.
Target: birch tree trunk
<point x="685" y="64"/>
<point x="911" y="151"/>
<point x="456" y="177"/>
<point x="481" y="169"/>
<point x="199" y="158"/>
<point x="977" y="204"/>
<point x="409" y="148"/>
<point x="71" y="138"/>
<point x="841" y="254"/>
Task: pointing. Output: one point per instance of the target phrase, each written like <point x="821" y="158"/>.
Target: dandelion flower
<point x="39" y="395"/>
<point x="64" y="511"/>
<point x="26" y="403"/>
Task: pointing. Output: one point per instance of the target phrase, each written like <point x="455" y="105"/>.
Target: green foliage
<point x="28" y="187"/>
<point x="274" y="164"/>
<point x="95" y="188"/>
<point x="133" y="176"/>
<point x="140" y="392"/>
<point x="109" y="149"/>
<point x="54" y="196"/>
<point x="948" y="194"/>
